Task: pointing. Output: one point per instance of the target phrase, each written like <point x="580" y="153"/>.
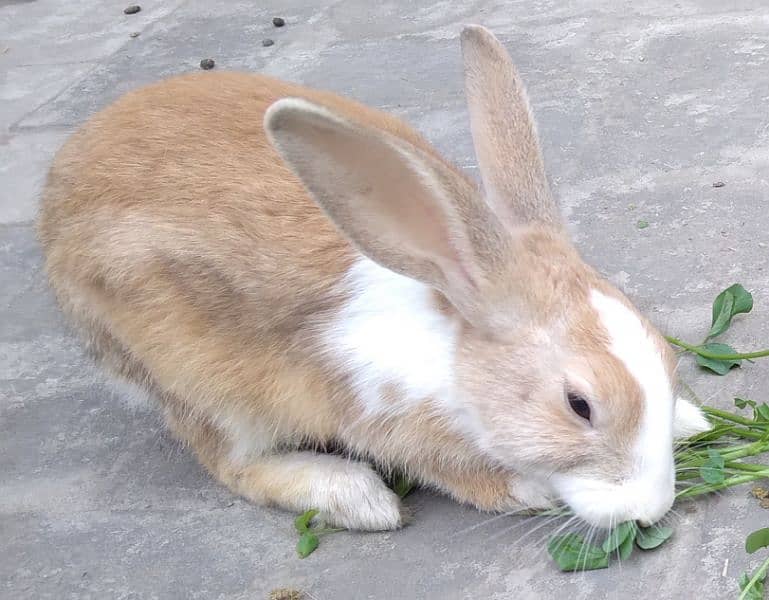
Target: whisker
<point x="547" y="521"/>
<point x="516" y="525"/>
<point x="486" y="522"/>
<point x="558" y="531"/>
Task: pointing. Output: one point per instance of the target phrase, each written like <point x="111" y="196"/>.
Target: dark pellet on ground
<point x="267" y="42"/>
<point x="278" y="21"/>
<point x="132" y="10"/>
<point x="719" y="184"/>
<point x="207" y="64"/>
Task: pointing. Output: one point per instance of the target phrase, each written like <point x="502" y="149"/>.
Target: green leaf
<point x="307" y="544"/>
<point x="302" y="522"/>
<point x="626" y="547"/>
<point x="743" y="299"/>
<point x="744" y="580"/>
<point x="732" y="301"/>
<point x="712" y="471"/>
<point x="712" y="476"/>
<point x="757" y="540"/>
<point x="756" y="592"/>
<point x="715" y="457"/>
<point x="742" y="403"/>
<point x="618" y="535"/>
<point x="642" y="224"/>
<point x="721" y="319"/>
<point x="720" y="367"/>
<point x="402" y="486"/>
<point x="652" y="537"/>
<point x="761" y="412"/>
<point x="571" y="553"/>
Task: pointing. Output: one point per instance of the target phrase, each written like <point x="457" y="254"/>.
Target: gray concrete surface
<point x="642" y="105"/>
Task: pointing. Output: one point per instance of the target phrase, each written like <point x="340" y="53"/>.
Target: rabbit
<point x="285" y="271"/>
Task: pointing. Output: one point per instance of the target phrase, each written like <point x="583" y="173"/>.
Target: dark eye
<point x="579" y="405"/>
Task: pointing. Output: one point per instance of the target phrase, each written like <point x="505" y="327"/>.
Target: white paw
<point x="355" y="497"/>
<point x="688" y="420"/>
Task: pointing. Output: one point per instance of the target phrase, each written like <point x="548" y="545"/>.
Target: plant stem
<point x="761" y="470"/>
<point x="760" y="574"/>
<point x="699" y="490"/>
<point x="714" y="355"/>
<point x="750" y="467"/>
<point x="693" y="457"/>
<point x="750" y="450"/>
<point x="727" y="416"/>
<point x="721" y="431"/>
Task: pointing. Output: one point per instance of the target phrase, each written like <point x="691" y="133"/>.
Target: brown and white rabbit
<point x="283" y="269"/>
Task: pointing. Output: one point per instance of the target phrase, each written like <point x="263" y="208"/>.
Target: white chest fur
<point x="391" y="333"/>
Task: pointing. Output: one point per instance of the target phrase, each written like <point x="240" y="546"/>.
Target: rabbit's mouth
<point x="605" y="504"/>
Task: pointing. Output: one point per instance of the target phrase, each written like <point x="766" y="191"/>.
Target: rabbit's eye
<point x="579" y="405"/>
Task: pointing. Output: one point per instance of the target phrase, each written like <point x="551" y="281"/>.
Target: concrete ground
<point x="642" y="106"/>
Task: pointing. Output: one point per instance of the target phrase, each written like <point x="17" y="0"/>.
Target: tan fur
<point x="176" y="240"/>
<point x="505" y="138"/>
<point x="194" y="262"/>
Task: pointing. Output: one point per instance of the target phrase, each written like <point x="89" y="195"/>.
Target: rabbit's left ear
<point x="404" y="209"/>
<point x="504" y="133"/>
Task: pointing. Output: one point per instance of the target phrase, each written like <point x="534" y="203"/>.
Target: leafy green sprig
<point x="311" y="531"/>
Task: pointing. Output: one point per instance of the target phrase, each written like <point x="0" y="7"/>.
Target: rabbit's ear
<point x="408" y="211"/>
<point x="504" y="133"/>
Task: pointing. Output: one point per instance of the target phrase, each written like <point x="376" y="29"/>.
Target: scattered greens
<point x="712" y="470"/>
<point x="310" y="533"/>
<point x="720" y="366"/>
<point x="649" y="538"/>
<point x="572" y="553"/>
<point x="715" y="356"/>
<point x="307" y="544"/>
<point x="734" y="300"/>
<point x="752" y="586"/>
<point x="401" y="485"/>
<point x="757" y="540"/>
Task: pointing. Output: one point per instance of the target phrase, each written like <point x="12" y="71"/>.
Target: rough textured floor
<point x="641" y="105"/>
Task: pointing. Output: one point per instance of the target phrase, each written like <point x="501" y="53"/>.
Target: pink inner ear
<point x="402" y="208"/>
<point x="504" y="134"/>
<point x="399" y="204"/>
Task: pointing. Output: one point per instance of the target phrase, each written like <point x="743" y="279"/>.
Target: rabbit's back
<point x="179" y="176"/>
<point x="186" y="252"/>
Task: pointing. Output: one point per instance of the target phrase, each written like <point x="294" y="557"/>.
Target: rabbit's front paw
<point x="355" y="497"/>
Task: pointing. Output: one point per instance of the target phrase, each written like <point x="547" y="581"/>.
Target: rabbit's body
<point x="198" y="266"/>
<point x="246" y="363"/>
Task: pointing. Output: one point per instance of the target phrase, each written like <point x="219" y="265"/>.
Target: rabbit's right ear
<point x="504" y="134"/>
<point x="402" y="208"/>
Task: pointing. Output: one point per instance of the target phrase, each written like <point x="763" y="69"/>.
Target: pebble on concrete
<point x="267" y="42"/>
<point x="286" y="594"/>
<point x="132" y="10"/>
<point x="207" y="64"/>
<point x="278" y="21"/>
